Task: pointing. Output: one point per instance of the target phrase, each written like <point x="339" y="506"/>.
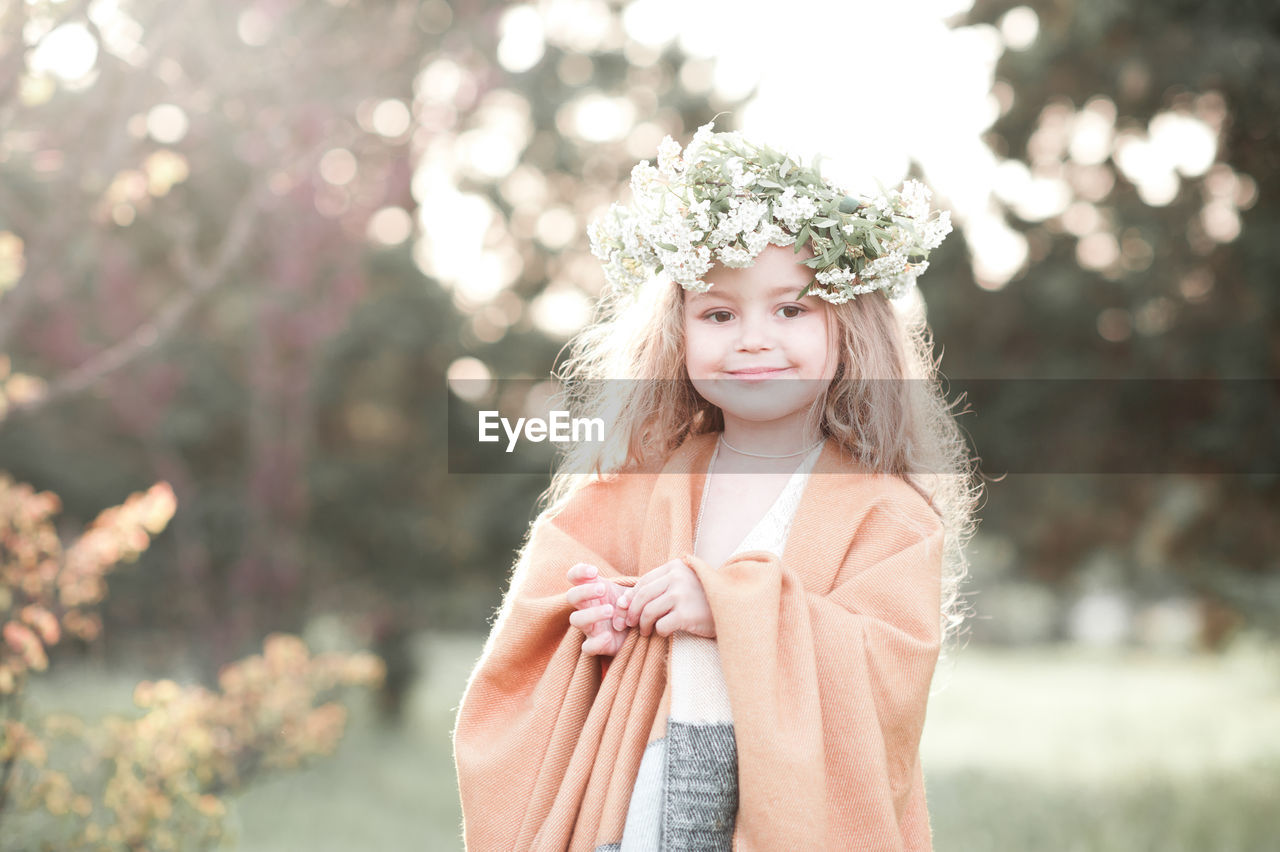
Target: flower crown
<point x="724" y="199"/>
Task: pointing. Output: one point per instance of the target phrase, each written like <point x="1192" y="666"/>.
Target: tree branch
<point x="200" y="280"/>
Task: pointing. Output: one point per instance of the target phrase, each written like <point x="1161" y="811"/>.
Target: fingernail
<point x="618" y="622"/>
<point x="591" y="570"/>
<point x="599" y="587"/>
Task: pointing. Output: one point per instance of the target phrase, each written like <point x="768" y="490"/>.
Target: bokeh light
<point x="68" y="53"/>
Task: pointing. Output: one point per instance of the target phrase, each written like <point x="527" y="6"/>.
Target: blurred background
<point x="245" y="244"/>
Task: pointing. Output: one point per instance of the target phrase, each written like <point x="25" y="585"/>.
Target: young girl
<point x="722" y="629"/>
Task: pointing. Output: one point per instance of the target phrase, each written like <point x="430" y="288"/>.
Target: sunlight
<point x="521" y="44"/>
<point x="935" y="118"/>
<point x="167" y="123"/>
<point x="68" y="53"/>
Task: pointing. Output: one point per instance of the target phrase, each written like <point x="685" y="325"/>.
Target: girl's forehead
<point x="762" y="286"/>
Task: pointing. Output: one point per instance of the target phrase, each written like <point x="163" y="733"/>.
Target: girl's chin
<point x="760" y="408"/>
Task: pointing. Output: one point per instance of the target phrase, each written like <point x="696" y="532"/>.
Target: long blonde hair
<point x="884" y="408"/>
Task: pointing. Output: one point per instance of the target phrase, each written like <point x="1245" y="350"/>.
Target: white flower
<point x="687" y="267"/>
<point x="607" y="231"/>
<point x="881" y="206"/>
<point x="933" y="233"/>
<point x="666" y="226"/>
<point x="890" y="264"/>
<point x="898" y="285"/>
<point x="737" y="173"/>
<point x="735" y="257"/>
<point x="749" y="212"/>
<point x="701" y="213"/>
<point x="915" y="199"/>
<point x="791" y="209"/>
<point x="669" y="163"/>
<point x="777" y="236"/>
<point x="756" y="241"/>
<point x="836" y="276"/>
<point x="697" y="145"/>
<point x="743" y="217"/>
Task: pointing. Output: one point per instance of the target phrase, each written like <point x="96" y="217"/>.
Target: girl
<point x="723" y="635"/>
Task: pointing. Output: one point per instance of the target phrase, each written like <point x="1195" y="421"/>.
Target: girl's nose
<point x="753" y="333"/>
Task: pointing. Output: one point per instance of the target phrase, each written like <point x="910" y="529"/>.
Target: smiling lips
<point x="757" y="373"/>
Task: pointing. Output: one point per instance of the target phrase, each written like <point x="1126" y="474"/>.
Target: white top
<point x="698" y="692"/>
<point x="770" y="532"/>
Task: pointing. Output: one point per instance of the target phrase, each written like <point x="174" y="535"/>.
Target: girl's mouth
<point x="759" y="373"/>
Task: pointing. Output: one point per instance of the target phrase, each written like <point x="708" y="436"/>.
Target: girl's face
<point x="752" y="348"/>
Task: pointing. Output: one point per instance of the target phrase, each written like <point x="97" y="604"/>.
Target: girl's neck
<point x="766" y="446"/>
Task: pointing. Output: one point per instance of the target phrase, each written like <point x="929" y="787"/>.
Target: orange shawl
<point x="828" y="655"/>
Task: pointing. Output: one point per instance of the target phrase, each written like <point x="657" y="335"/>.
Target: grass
<point x="1040" y="749"/>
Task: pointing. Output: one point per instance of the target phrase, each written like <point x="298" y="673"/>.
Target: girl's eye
<point x="712" y="314"/>
<point x="798" y="310"/>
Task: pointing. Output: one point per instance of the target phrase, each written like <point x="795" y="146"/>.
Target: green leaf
<point x="667" y="246"/>
<point x="824" y="223"/>
<point x="849" y="204"/>
<point x="805" y="291"/>
<point x="801" y="239"/>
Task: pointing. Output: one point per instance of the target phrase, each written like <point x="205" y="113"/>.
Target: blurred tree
<point x="188" y="193"/>
<point x="1157" y="124"/>
<point x="240" y="248"/>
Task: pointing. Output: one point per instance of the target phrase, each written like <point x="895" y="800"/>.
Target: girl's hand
<point x="667" y="599"/>
<point x="594" y="603"/>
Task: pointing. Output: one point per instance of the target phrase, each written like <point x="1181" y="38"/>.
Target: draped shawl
<point x="828" y="654"/>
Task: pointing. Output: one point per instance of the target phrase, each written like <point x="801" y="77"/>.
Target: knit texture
<point x="827" y="655"/>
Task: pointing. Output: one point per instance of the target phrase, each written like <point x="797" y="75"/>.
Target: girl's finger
<point x="666" y="625"/>
<point x="655" y="609"/>
<point x="641" y="599"/>
<point x="580" y="594"/>
<point x="581" y="572"/>
<point x="636" y="599"/>
<point x="594" y="645"/>
<point x="584" y="618"/>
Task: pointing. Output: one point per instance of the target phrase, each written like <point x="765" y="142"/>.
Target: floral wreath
<point x="724" y="199"/>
